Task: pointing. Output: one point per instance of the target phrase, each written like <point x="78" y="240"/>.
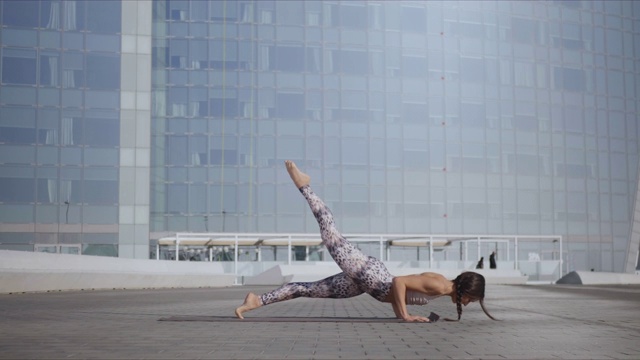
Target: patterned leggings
<point x="360" y="273"/>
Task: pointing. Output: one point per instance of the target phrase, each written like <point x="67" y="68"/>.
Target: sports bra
<point x="418" y="298"/>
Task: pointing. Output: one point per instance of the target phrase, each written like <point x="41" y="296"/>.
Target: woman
<point x="365" y="274"/>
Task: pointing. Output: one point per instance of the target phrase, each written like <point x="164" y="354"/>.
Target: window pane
<point x="19" y="66"/>
<point x="100" y="192"/>
<point x="101" y="132"/>
<point x="102" y="99"/>
<point x="49" y="39"/>
<point x="414" y="66"/>
<point x="17" y="154"/>
<point x="104" y="16"/>
<point x="177" y="198"/>
<point x="414" y="19"/>
<point x="50" y="69"/>
<point x="72" y="75"/>
<point x="88" y="238"/>
<point x="15" y="37"/>
<point x="197" y="199"/>
<point x="17" y="190"/>
<point x="100" y="250"/>
<point x="101" y="157"/>
<point x="177" y="150"/>
<point x="103" y="72"/>
<point x="73" y="41"/>
<point x="350" y="62"/>
<point x="107" y="43"/>
<point x="354" y="151"/>
<point x="472" y="70"/>
<point x="17" y="125"/>
<point x="100" y="214"/>
<point x="289" y="13"/>
<point x="290" y="106"/>
<point x="16" y="214"/>
<point x="20" y="13"/>
<point x="47" y="191"/>
<point x="286" y="58"/>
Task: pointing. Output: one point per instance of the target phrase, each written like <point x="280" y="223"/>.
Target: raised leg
<point x="348" y="257"/>
<point x="299" y="178"/>
<point x="368" y="272"/>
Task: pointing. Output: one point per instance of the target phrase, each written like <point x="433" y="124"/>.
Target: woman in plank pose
<point x="365" y="274"/>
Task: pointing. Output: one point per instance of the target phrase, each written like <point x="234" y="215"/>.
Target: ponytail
<point x="485" y="310"/>
<point x="458" y="287"/>
<point x="471" y="284"/>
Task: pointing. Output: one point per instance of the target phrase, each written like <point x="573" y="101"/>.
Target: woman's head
<point x="469" y="287"/>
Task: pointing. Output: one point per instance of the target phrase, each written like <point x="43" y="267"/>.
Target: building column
<point x="135" y="129"/>
<point x="634" y="239"/>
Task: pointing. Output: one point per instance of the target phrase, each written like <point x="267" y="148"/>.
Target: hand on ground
<point x="415" y="318"/>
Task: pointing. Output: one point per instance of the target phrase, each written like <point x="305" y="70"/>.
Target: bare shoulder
<point x="433" y="275"/>
<point x="425" y="276"/>
<point x="436" y="284"/>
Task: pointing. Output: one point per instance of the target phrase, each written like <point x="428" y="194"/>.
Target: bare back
<point x="428" y="283"/>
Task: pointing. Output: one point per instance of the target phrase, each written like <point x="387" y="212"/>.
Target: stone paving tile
<point x="539" y="322"/>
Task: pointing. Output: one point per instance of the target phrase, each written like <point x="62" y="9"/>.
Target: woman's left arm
<point x="399" y="287"/>
<point x="395" y="308"/>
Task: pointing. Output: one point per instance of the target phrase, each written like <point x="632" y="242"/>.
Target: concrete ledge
<point x="22" y="271"/>
<point x="598" y="278"/>
<point x="282" y="274"/>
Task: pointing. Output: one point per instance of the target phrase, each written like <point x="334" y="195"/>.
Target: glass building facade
<point x="438" y="117"/>
<point x="65" y="126"/>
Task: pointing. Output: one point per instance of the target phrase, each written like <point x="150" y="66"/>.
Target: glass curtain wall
<point x="59" y="125"/>
<point x="488" y="117"/>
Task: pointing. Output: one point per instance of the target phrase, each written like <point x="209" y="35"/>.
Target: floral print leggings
<point x="360" y="273"/>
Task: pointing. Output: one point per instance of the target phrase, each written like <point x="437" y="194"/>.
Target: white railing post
<point x="177" y="246"/>
<point x="466" y="251"/>
<point x="289" y="251"/>
<point x="235" y="261"/>
<point x="381" y="249"/>
<point x="430" y="252"/>
<point x="515" y="264"/>
<point x="388" y="250"/>
<point x="561" y="258"/>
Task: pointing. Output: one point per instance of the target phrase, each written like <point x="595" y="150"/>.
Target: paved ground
<point x="539" y="322"/>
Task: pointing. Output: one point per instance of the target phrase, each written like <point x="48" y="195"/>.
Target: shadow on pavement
<point x="279" y="319"/>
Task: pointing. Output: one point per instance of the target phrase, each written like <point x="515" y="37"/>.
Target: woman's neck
<point x="450" y="289"/>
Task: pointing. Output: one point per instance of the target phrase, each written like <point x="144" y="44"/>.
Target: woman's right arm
<point x="399" y="287"/>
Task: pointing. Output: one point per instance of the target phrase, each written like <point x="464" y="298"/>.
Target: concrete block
<point x="598" y="278"/>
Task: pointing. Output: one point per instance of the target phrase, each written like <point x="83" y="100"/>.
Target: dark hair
<point x="471" y="284"/>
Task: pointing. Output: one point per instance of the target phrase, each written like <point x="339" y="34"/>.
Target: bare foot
<point x="250" y="302"/>
<point x="299" y="178"/>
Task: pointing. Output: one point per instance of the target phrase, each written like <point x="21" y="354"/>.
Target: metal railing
<point x="541" y="257"/>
